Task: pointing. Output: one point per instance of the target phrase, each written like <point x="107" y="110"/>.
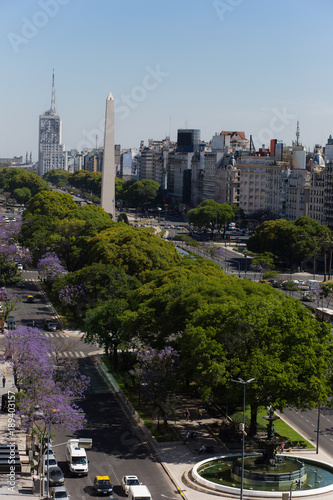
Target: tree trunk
<point x="115" y="357"/>
<point x="253" y="425"/>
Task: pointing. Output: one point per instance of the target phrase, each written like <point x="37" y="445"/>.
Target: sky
<point x="256" y="66"/>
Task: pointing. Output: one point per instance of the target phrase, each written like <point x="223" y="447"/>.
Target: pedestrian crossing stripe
<point x="70" y="354"/>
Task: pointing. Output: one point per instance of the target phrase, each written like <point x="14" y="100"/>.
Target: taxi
<point x="30" y="298"/>
<point x="102" y="485"/>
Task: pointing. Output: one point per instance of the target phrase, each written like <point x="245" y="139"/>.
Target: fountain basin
<point x="215" y="474"/>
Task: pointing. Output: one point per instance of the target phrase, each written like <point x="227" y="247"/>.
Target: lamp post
<point x="244" y="383"/>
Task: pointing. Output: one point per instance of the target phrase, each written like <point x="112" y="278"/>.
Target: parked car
<point x="128" y="481"/>
<point x="102" y="485"/>
<point x="50" y="453"/>
<point x="56" y="476"/>
<point x="51" y="462"/>
<point x="59" y="492"/>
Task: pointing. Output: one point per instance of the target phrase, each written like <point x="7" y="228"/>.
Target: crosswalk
<point x="70" y="354"/>
<point x="55" y="335"/>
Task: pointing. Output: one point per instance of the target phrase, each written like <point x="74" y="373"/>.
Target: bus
<point x="324" y="314"/>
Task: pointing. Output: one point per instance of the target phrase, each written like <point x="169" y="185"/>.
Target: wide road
<point x="119" y="447"/>
<point x="307" y="423"/>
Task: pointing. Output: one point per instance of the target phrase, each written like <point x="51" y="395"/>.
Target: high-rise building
<point x="51" y="153"/>
<point x="188" y="140"/>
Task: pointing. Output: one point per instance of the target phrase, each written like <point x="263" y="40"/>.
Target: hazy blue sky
<point x="251" y="65"/>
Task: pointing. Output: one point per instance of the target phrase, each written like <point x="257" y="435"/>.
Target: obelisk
<point x="109" y="173"/>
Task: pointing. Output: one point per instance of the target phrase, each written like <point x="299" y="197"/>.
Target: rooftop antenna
<point x="297" y="134"/>
<point x="52" y="109"/>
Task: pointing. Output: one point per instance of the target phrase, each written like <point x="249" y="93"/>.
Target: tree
<point x="31" y="355"/>
<point x="291" y="242"/>
<point x="100" y="283"/>
<point x="134" y="249"/>
<point x="9" y="302"/>
<point x="22" y="195"/>
<point x="210" y="216"/>
<point x="104" y="325"/>
<point x="141" y="192"/>
<point x="51" y="204"/>
<point x="156" y="372"/>
<point x="50" y="267"/>
<point x="272" y="339"/>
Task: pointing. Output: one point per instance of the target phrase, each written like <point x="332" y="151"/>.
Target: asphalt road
<point x="118" y="448"/>
<point x="307" y="423"/>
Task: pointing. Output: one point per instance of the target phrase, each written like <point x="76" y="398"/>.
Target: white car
<point x="128" y="481"/>
<point x="51" y="462"/>
<point x="59" y="492"/>
<point x="49" y="453"/>
<point x="20" y="267"/>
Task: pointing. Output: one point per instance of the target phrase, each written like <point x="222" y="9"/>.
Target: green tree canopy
<point x="291" y="242"/>
<point x="210" y="215"/>
<point x="136" y="250"/>
<point x="51" y="204"/>
<point x="141" y="192"/>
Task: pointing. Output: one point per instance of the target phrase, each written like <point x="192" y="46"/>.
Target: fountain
<point x="266" y="471"/>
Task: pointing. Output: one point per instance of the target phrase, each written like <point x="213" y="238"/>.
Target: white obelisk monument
<point x="109" y="173"/>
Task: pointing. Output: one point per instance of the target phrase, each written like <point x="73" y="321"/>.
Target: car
<point x="102" y="485"/>
<point x="128" y="481"/>
<point x="47" y="321"/>
<point x="51" y="327"/>
<point x="30" y="298"/>
<point x="51" y="462"/>
<point x="50" y="453"/>
<point x="21" y="285"/>
<point x="20" y="267"/>
<point x="59" y="492"/>
<point x="56" y="476"/>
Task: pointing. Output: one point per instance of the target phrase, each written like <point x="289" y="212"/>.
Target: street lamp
<point x="244" y="383"/>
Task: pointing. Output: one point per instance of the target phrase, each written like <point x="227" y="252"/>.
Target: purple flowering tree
<point x="50" y="267"/>
<point x="46" y="381"/>
<point x="156" y="373"/>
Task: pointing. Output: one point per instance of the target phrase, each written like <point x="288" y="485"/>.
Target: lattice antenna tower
<point x="53" y="109"/>
<point x="297" y="134"/>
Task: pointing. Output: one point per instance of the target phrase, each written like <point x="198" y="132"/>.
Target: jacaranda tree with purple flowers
<point x="50" y="267"/>
<point x="44" y="381"/>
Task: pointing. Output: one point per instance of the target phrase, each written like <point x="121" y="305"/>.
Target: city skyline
<point x="218" y="65"/>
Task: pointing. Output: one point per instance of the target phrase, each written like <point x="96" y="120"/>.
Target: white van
<point x="139" y="493"/>
<point x="76" y="458"/>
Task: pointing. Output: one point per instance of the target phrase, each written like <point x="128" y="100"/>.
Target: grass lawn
<point x="281" y="428"/>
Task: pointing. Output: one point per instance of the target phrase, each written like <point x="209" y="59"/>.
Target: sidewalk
<point x="22" y="482"/>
